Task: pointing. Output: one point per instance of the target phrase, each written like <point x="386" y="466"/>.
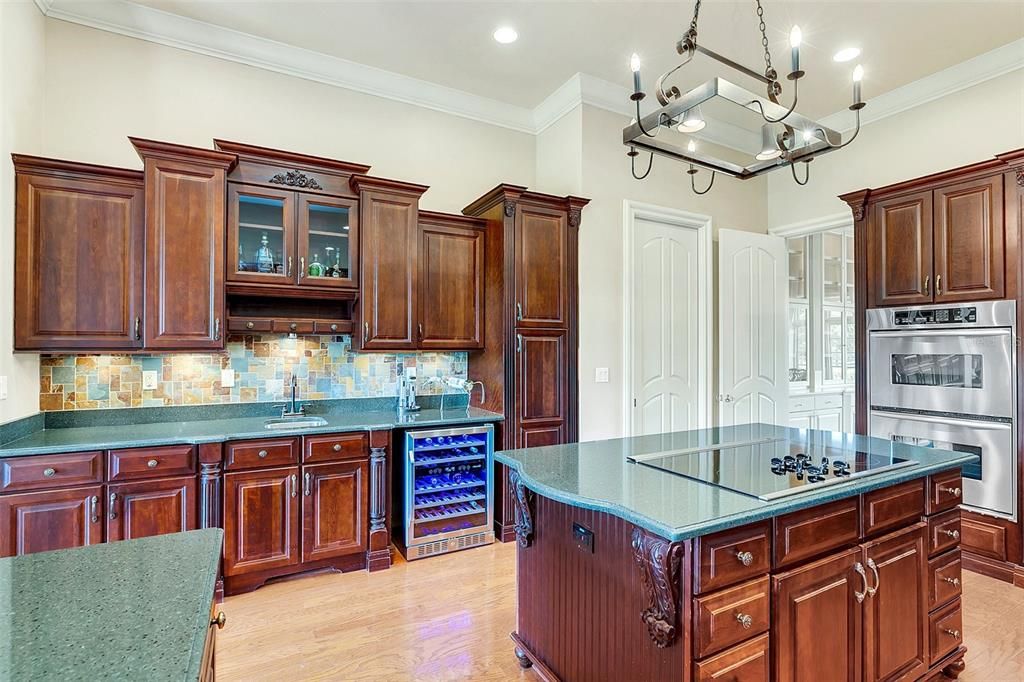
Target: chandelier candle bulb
<point x="634" y="66"/>
<point x="691" y="148"/>
<point x="795" y="37"/>
<point x="858" y="75"/>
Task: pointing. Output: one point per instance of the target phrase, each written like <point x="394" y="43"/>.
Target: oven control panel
<point x="957" y="315"/>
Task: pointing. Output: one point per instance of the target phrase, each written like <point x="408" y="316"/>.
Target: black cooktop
<point x="772" y="468"/>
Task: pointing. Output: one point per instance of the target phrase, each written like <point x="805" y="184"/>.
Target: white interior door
<point x="754" y="384"/>
<point x="666" y="292"/>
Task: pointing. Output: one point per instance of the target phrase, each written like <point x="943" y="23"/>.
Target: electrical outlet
<point x="3" y="388"/>
<point x="227" y="378"/>
<point x="601" y="375"/>
<point x="149" y="380"/>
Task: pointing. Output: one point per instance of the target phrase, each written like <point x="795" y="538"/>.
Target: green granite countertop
<point x="132" y="610"/>
<point x="597" y="475"/>
<point x="195" y="432"/>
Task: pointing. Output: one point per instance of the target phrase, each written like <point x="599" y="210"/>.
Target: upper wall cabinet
<point x="451" y="282"/>
<point x="541" y="268"/>
<point x="185" y="214"/>
<point x="293" y="222"/>
<point x="78" y="256"/>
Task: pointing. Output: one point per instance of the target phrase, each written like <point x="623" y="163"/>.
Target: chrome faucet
<point x="295" y="409"/>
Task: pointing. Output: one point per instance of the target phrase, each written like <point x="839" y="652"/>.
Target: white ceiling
<point x="450" y="43"/>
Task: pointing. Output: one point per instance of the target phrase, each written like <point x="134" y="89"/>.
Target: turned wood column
<point x="378" y="556"/>
<point x="210" y="486"/>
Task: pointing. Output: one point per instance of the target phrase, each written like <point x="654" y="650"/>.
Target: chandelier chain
<point x="693" y="22"/>
<point x="768" y="71"/>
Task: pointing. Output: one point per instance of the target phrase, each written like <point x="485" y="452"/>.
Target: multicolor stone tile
<point x="324" y="367"/>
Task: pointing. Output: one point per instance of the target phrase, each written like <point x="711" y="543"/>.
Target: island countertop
<point x="597" y="475"/>
<point x="137" y="609"/>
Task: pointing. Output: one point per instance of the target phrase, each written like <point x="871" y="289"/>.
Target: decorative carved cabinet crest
<point x="1020" y="177"/>
<point x="574" y="218"/>
<point x="296" y="178"/>
<point x="658" y="561"/>
<point x="524" y="519"/>
<point x="510" y="208"/>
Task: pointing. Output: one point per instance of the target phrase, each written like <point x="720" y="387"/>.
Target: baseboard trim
<point x="993" y="568"/>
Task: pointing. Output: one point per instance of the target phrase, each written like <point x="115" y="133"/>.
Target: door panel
<point x="540" y="390"/>
<point x="900" y="251"/>
<point x="537" y="435"/>
<point x="896" y="615"/>
<point x="969" y="241"/>
<point x="261" y="520"/>
<point x="451" y="287"/>
<point x="541" y="279"/>
<point x="53" y="519"/>
<point x="752" y="329"/>
<point x="138" y="510"/>
<point x="255" y="214"/>
<point x="334" y="509"/>
<point x="665" y="354"/>
<point x="78" y="262"/>
<point x="388" y="293"/>
<point x="817" y="621"/>
<point x="328" y="233"/>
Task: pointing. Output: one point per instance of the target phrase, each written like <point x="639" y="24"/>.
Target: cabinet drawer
<point x="945" y="578"/>
<point x="943" y="532"/>
<point x="50" y="471"/>
<point x="731" y="556"/>
<point x="804" y="403"/>
<point x="730" y="616"/>
<point x="172" y="460"/>
<point x="236" y="324"/>
<point x="809" y="532"/>
<point x="335" y="446"/>
<point x="321" y="327"/>
<point x="822" y="402"/>
<point x="269" y="452"/>
<point x="944" y="491"/>
<point x="983" y="537"/>
<point x="946" y="628"/>
<point x="892" y="507"/>
<point x="747" y="662"/>
<point x="293" y="326"/>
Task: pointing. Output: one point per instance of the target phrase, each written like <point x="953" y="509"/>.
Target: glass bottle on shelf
<point x="264" y="258"/>
<point x="316" y="269"/>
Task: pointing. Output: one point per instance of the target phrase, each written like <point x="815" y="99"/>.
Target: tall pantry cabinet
<point x="530" y="369"/>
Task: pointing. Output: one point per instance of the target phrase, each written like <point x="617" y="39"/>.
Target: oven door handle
<point x="960" y="331"/>
<point x="971" y="424"/>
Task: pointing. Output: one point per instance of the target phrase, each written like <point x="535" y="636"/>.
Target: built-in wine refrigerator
<point x="448" y="494"/>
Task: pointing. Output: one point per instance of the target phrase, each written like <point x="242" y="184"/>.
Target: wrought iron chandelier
<point x="787" y="138"/>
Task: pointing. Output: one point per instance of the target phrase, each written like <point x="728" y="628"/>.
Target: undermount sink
<point x="278" y="423"/>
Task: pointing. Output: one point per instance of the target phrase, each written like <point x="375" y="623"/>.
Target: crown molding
<point x="835" y="221"/>
<point x="43" y="6"/>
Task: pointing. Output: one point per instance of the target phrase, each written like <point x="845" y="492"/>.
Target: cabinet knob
<point x="955" y="492"/>
<point x="49" y="472"/>
<point x="262" y="454"/>
<point x="293" y="326"/>
<point x="745" y="558"/>
<point x="955" y="634"/>
<point x="334" y="327"/>
<point x="745" y="620"/>
<point x="250" y="325"/>
<point x="337" y="447"/>
<point x="152" y="464"/>
<point x="220" y="620"/>
<point x="955" y="534"/>
<point x="955" y="582"/>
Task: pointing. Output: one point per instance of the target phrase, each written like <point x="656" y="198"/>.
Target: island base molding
<point x="1006" y="571"/>
<point x="247" y="582"/>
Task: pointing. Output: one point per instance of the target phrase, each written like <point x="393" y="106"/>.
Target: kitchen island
<point x="134" y="610"/>
<point x="737" y="553"/>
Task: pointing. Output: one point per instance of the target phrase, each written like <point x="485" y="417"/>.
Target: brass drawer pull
<point x="745" y="620"/>
<point x="955" y="634"/>
<point x="288" y="272"/>
<point x="220" y="620"/>
<point x="955" y="492"/>
<point x="113" y="501"/>
<point x="955" y="582"/>
<point x="295" y="486"/>
<point x="927" y="285"/>
<point x="152" y="464"/>
<point x="745" y="558"/>
<point x="302" y="267"/>
<point x="307" y="491"/>
<point x="49" y="472"/>
<point x="262" y="454"/>
<point x="94" y="508"/>
<point x="864" y="578"/>
<point x="955" y="534"/>
<point x="938" y="285"/>
<point x="874" y="570"/>
<point x="337" y="447"/>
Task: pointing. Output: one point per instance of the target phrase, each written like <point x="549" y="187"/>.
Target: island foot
<point x="953" y="670"/>
<point x="524" y="660"/>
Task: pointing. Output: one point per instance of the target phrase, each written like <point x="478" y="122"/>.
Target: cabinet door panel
<point x="185" y="256"/>
<point x="451" y="287"/>
<point x="540" y="388"/>
<point x="388" y="293"/>
<point x="969" y="241"/>
<point x="815" y="610"/>
<point x="255" y="213"/>
<point x="53" y="519"/>
<point x="138" y="510"/>
<point x="537" y="435"/>
<point x="334" y="509"/>
<point x="261" y="520"/>
<point x="328" y="233"/>
<point x="541" y="272"/>
<point x="895" y="617"/>
<point x="900" y="251"/>
<point x="78" y="263"/>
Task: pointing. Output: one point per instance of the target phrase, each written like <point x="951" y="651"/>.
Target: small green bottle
<point x="316" y="269"/>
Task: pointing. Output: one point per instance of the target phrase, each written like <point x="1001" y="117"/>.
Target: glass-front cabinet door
<point x="328" y="238"/>
<point x="261" y="235"/>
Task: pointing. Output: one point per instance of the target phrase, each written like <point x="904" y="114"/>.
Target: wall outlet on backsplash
<point x="149" y="380"/>
<point x="227" y="378"/>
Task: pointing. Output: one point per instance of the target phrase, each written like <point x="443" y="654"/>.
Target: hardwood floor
<point x="449" y="617"/>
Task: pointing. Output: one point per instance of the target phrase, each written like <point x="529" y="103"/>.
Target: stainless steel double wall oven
<point x="945" y="376"/>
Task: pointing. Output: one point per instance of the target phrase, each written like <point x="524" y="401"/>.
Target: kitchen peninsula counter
<point x="629" y="571"/>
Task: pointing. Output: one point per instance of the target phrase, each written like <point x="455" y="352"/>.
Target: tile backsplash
<point x="324" y="366"/>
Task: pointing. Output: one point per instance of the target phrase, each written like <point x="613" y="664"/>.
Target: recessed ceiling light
<point x="844" y="55"/>
<point x="507" y="34"/>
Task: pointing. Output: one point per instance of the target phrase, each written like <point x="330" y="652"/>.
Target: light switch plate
<point x="227" y="378"/>
<point x="149" y="380"/>
<point x="3" y="388"/>
<point x="601" y="375"/>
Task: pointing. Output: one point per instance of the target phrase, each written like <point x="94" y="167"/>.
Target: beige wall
<point x="22" y="59"/>
<point x="607" y="180"/>
<point x="102" y="87"/>
<point x="962" y="128"/>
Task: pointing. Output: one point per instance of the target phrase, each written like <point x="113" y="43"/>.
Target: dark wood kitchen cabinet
<point x="541" y="266"/>
<point x="78" y="264"/>
<point x="900" y="244"/>
<point x="51" y="519"/>
<point x="185" y="250"/>
<point x="261" y="520"/>
<point x="969" y="240"/>
<point x="451" y="282"/>
<point x="387" y="309"/>
<point x="143" y="508"/>
<point x="335" y="500"/>
<point x="541" y="392"/>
